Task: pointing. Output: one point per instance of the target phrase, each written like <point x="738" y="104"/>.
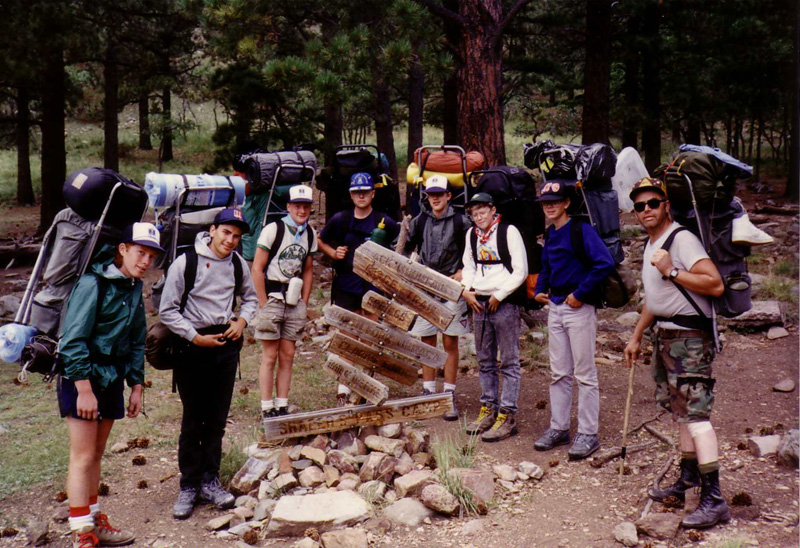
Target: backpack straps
<point x="279" y="232"/>
<point x="458" y="230"/>
<point x="578" y="243"/>
<point x="502" y="247"/>
<point x="190" y="276"/>
<point x="667" y="244"/>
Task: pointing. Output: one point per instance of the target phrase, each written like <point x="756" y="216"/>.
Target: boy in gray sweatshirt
<point x="198" y="305"/>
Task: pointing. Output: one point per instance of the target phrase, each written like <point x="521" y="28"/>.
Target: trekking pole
<point x="625" y="426"/>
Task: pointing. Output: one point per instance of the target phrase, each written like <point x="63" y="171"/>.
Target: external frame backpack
<point x="459" y="231"/>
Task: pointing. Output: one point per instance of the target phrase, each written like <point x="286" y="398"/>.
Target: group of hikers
<point x="103" y="339"/>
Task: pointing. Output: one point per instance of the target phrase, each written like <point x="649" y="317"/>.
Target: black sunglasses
<point x="652" y="203"/>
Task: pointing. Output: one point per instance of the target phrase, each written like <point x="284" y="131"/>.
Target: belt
<point x="681" y="333"/>
<point x="482" y="298"/>
<point x="273" y="286"/>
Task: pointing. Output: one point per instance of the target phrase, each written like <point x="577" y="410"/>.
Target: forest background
<point x="644" y="73"/>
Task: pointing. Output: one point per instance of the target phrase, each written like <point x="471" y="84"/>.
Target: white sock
<point x="94" y="509"/>
<point x="79" y="522"/>
<point x="429" y="386"/>
<point x="343" y="390"/>
<point x="281" y="402"/>
<point x="449" y="387"/>
<point x="266" y="405"/>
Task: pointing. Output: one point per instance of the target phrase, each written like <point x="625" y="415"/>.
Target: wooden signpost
<point x="342" y="418"/>
<point x="422" y="276"/>
<point x="385" y="336"/>
<point x="352" y="377"/>
<point x="374" y="359"/>
<point x="389" y="310"/>
<point x="389" y="281"/>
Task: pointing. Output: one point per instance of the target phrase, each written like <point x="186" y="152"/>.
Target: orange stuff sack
<point x="448" y="161"/>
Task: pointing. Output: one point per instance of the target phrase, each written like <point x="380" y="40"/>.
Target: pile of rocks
<point x="328" y="483"/>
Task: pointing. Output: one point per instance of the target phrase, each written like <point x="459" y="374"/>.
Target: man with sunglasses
<point x="569" y="286"/>
<point x="678" y="278"/>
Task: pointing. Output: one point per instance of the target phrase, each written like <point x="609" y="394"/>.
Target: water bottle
<point x="13" y="338"/>
<point x="293" y="291"/>
<point x="379" y="235"/>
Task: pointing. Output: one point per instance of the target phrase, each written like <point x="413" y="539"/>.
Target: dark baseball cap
<point x="555" y="190"/>
<point x="649" y="183"/>
<point x="231" y="216"/>
<point x="480" y="198"/>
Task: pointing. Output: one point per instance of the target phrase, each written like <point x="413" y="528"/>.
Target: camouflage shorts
<point x="682" y="371"/>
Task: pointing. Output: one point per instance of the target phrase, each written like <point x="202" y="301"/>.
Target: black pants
<point x="205" y="379"/>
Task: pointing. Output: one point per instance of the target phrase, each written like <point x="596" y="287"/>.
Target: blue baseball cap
<point x="361" y="181"/>
<point x="231" y="216"/>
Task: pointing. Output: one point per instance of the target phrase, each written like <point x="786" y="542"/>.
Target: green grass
<point x="534" y="352"/>
<point x="733" y="543"/>
<point x="779" y="289"/>
<point x="456" y="452"/>
<point x="786" y="267"/>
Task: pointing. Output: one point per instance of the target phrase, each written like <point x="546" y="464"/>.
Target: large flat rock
<point x="325" y="512"/>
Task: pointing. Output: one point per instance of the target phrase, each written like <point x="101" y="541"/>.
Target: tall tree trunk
<point x="332" y="130"/>
<point x="25" y="194"/>
<point x="144" y="122"/>
<point x="383" y="117"/>
<point x="452" y="32"/>
<point x="480" y="110"/>
<point x="793" y="183"/>
<point x="416" y="98"/>
<point x="693" y="129"/>
<point x="111" y="109"/>
<point x="166" y="135"/>
<point x="54" y="153"/>
<point x="757" y="166"/>
<point x="651" y="66"/>
<point x="630" y="119"/>
<point x="597" y="72"/>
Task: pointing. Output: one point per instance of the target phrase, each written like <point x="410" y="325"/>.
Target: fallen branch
<point x="613" y="452"/>
<point x="648" y="421"/>
<point x="659" y="435"/>
<point x="790" y="210"/>
<point x="661" y="473"/>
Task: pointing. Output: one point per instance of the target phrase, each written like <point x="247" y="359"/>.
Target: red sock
<point x="92" y="499"/>
<point x="78" y="511"/>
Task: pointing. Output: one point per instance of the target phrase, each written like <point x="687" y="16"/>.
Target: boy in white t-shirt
<point x="281" y="263"/>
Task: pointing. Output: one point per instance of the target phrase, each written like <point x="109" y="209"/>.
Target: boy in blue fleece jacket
<point x="570" y="287"/>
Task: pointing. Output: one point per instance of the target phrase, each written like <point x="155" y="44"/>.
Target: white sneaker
<point x="746" y="233"/>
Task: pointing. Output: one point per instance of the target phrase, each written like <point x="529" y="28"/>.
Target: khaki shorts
<point x="459" y="325"/>
<point x="277" y="320"/>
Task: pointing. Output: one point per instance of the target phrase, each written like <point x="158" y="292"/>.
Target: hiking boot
<point x="584" y="445"/>
<point x="482" y="422"/>
<point x="451" y="415"/>
<point x="184" y="506"/>
<point x="712" y="508"/>
<point x="426" y="392"/>
<point x="690" y="477"/>
<point x="85" y="538"/>
<point x="551" y="438"/>
<point x="213" y="492"/>
<point x="505" y="425"/>
<point x="281" y="411"/>
<point x="107" y="535"/>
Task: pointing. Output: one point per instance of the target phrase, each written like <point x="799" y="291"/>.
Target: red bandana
<point x="483" y="236"/>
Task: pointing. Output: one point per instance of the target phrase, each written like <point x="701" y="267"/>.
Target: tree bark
<point x="651" y="101"/>
<point x="383" y="117"/>
<point x="793" y="183"/>
<point x="144" y="122"/>
<point x="54" y="153"/>
<point x="416" y="98"/>
<point x="630" y="122"/>
<point x="25" y="194"/>
<point x="111" y="110"/>
<point x="480" y="110"/>
<point x="332" y="130"/>
<point x="452" y="32"/>
<point x="166" y="134"/>
<point x="597" y="72"/>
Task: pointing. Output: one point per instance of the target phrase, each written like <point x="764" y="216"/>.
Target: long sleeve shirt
<point x="495" y="279"/>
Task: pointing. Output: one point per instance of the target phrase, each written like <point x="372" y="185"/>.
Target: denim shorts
<point x="110" y="402"/>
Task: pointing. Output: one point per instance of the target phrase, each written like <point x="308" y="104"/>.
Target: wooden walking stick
<point x="625" y="426"/>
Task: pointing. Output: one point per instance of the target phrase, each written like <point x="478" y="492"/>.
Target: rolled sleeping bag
<point x="263" y="167"/>
<point x="448" y="161"/>
<point x="164" y="189"/>
<point x="88" y="190"/>
<point x="412" y="175"/>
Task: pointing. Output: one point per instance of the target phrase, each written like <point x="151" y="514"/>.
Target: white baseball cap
<point x="436" y="183"/>
<point x="143" y="234"/>
<point x="300" y="193"/>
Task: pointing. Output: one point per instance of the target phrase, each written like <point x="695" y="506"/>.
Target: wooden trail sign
<point x="402" y="290"/>
<point x="342" y="418"/>
<point x="352" y="377"/>
<point x="422" y="276"/>
<point x="390" y="311"/>
<point x="385" y="336"/>
<point x="374" y="359"/>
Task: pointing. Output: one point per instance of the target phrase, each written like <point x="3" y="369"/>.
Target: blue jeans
<point x="493" y="331"/>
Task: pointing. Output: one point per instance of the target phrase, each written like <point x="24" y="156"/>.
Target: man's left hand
<point x="662" y="261"/>
<point x="572" y="301"/>
<point x="234" y="332"/>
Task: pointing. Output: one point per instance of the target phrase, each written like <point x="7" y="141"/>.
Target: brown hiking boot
<point x="85" y="538"/>
<point x="482" y="422"/>
<point x="504" y="426"/>
<point x="107" y="535"/>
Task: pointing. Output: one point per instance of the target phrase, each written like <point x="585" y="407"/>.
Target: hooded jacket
<point x="210" y="302"/>
<point x="440" y="248"/>
<point x="112" y="344"/>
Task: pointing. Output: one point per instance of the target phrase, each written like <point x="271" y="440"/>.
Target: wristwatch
<point x="674" y="273"/>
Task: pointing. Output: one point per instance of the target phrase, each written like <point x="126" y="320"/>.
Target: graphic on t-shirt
<point x="290" y="260"/>
<point x="486" y="253"/>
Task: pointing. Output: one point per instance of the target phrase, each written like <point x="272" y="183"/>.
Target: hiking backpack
<point x="520" y="295"/>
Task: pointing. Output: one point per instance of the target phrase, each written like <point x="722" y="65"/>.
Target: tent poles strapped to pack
<point x="275" y="181"/>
